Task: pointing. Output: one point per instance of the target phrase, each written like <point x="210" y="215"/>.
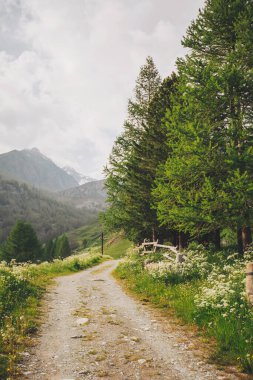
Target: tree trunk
<point x="153" y="234"/>
<point x="246" y="237"/>
<point x="239" y="241"/>
<point x="216" y="239"/>
<point x="182" y="241"/>
<point x="175" y="238"/>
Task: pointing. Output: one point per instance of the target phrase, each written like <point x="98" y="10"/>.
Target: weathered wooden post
<point x="180" y="258"/>
<point x="102" y="243"/>
<point x="155" y="245"/>
<point x="249" y="282"/>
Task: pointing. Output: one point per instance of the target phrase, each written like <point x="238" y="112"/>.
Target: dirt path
<point x="94" y="330"/>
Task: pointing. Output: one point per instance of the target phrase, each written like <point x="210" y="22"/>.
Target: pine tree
<point x="222" y="36"/>
<point x="206" y="183"/>
<point x="136" y="154"/>
<point x="49" y="250"/>
<point x="147" y="155"/>
<point x="62" y="247"/>
<point x="129" y="208"/>
<point x="22" y="244"/>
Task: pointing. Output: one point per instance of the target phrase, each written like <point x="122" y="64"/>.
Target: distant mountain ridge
<point x="32" y="167"/>
<point x="91" y="195"/>
<point x="34" y="189"/>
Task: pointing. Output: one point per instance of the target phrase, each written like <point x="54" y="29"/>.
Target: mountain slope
<point x="91" y="195"/>
<point x="80" y="178"/>
<point x="34" y="168"/>
<point x="49" y="217"/>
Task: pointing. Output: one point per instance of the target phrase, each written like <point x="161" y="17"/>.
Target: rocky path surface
<point x="93" y="330"/>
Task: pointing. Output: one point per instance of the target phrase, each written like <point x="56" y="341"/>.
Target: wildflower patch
<point x="207" y="289"/>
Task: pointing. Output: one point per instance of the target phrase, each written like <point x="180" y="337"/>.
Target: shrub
<point x="195" y="266"/>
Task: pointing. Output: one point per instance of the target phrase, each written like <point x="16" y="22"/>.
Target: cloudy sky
<point x="68" y="67"/>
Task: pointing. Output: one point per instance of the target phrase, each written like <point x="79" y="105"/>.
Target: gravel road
<point x="93" y="330"/>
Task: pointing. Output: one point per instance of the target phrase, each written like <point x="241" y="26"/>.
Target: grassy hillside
<point x="49" y="217"/>
<point x="91" y="233"/>
<point x="115" y="244"/>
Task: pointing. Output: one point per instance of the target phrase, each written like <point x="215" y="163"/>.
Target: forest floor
<point x="93" y="330"/>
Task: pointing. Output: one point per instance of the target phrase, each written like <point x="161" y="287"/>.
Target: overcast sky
<point x="68" y="67"/>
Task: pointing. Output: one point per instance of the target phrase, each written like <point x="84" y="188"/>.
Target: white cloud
<point x="67" y="69"/>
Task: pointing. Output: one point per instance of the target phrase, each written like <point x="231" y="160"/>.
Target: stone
<point x="25" y="354"/>
<point x="82" y="321"/>
<point x="84" y="372"/>
<point x="135" y="338"/>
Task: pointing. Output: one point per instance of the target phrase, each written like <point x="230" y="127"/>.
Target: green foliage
<point x="183" y="164"/>
<point x="91" y="233"/>
<point x="13" y="290"/>
<point x="178" y="297"/>
<point x="22" y="244"/>
<point x="228" y="237"/>
<point x="62" y="247"/>
<point x="117" y="246"/>
<point x="49" y="250"/>
<point x="129" y="205"/>
<point x="206" y="182"/>
<point x="135" y="155"/>
<point x="204" y="290"/>
<point x="84" y="243"/>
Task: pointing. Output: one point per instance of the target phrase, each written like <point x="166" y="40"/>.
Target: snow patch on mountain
<point x="80" y="178"/>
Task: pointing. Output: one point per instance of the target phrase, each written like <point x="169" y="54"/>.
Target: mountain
<point x="48" y="216"/>
<point x="32" y="167"/>
<point x="80" y="178"/>
<point x="91" y="195"/>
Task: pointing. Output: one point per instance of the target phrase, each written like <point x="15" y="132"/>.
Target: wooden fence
<point x="154" y="246"/>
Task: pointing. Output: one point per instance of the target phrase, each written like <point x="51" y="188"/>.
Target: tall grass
<point x="117" y="246"/>
<point x="21" y="288"/>
<point x="200" y="294"/>
<point x="91" y="233"/>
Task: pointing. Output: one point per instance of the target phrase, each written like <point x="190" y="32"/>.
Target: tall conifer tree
<point x="135" y="156"/>
<point x="22" y="244"/>
<point x="207" y="182"/>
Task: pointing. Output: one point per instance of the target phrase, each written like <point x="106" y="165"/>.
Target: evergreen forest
<point x="181" y="170"/>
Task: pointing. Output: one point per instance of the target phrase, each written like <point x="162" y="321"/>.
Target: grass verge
<point x="233" y="332"/>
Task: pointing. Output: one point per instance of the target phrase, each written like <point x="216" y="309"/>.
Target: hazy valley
<point x="34" y="189"/>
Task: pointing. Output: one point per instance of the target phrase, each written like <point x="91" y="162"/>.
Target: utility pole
<point x="102" y="243"/>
